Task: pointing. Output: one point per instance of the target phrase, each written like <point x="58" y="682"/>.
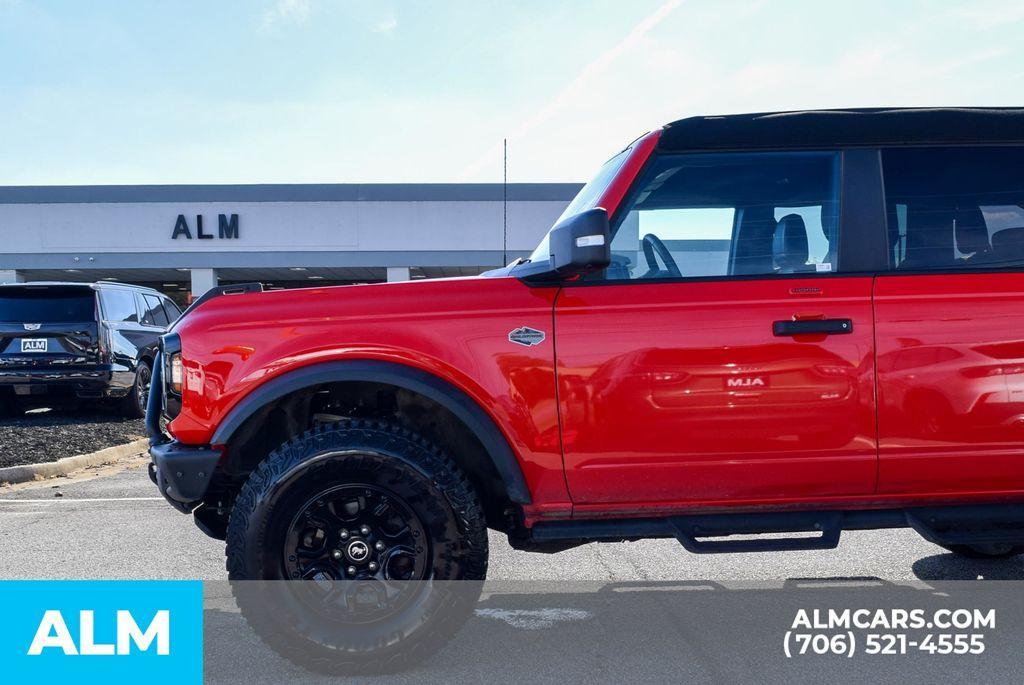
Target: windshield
<point x="46" y="305"/>
<point x="586" y="199"/>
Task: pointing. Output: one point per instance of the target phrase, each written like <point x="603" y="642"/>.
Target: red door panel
<point x="680" y="392"/>
<point x="951" y="383"/>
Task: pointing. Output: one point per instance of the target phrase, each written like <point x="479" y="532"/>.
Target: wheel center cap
<point x="358" y="551"/>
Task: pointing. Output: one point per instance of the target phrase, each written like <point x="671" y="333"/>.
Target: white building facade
<point x="185" y="239"/>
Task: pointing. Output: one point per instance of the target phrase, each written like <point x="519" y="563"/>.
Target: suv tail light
<point x="103" y="344"/>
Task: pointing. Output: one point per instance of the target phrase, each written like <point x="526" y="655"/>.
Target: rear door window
<point x="955" y="208"/>
<point x="119" y="305"/>
<point x="154" y="313"/>
<point x="47" y="305"/>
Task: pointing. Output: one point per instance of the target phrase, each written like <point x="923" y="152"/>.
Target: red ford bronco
<point x="799" y="322"/>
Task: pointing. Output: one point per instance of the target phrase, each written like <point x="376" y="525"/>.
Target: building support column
<point x="11" y="276"/>
<point x="203" y="280"/>
<point x="398" y="273"/>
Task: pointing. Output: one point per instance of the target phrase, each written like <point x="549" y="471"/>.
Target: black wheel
<point x="992" y="551"/>
<point x="369" y="522"/>
<point x="134" y="406"/>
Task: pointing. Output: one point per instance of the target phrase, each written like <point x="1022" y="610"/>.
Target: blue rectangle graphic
<point x="102" y="631"/>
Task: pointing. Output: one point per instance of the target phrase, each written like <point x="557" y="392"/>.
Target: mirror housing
<point x="580" y="244"/>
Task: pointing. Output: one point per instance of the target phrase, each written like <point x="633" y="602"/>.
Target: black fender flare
<point x="399" y="375"/>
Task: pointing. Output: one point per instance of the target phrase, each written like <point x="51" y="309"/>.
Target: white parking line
<point x="60" y="500"/>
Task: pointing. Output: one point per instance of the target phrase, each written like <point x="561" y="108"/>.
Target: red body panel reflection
<point x="951" y="382"/>
<point x="681" y="392"/>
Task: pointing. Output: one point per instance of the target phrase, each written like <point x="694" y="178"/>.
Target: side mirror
<point x="581" y="243"/>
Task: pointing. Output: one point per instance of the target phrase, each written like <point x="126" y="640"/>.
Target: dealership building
<point x="185" y="239"/>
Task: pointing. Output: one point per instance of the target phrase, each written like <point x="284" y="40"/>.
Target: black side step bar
<point x="689" y="533"/>
<point x="974" y="526"/>
<point x="708" y="533"/>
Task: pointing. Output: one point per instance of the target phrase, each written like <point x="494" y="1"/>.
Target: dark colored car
<point x="62" y="344"/>
<point x="793" y="323"/>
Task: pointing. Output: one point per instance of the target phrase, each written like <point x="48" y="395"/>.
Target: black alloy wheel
<point x="357" y="547"/>
<point x="133" y="405"/>
<point x="361" y="533"/>
<point x="143" y="381"/>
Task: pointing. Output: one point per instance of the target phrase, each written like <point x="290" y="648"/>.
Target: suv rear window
<point x="46" y="305"/>
<point x="955" y="208"/>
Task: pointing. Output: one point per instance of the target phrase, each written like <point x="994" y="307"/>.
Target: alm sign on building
<point x="227" y="228"/>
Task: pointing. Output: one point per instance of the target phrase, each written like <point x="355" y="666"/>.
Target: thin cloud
<point x="285" y="11"/>
<point x="989" y="15"/>
<point x="969" y="60"/>
<point x="387" y="25"/>
<point x="580" y="83"/>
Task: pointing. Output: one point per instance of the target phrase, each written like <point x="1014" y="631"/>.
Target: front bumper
<point x="182" y="472"/>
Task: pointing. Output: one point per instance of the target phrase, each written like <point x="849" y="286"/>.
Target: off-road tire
<point x="361" y="451"/>
<point x="131" y="406"/>
<point x="973" y="552"/>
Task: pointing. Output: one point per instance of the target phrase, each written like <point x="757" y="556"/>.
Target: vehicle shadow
<point x="97" y="412"/>
<point x="955" y="567"/>
<point x="666" y="631"/>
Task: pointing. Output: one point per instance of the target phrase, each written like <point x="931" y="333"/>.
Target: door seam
<point x="558" y="396"/>
<point x="876" y="385"/>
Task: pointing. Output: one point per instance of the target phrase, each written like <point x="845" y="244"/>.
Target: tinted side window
<point x="955" y="208"/>
<point x="730" y="214"/>
<point x="172" y="311"/>
<point x="119" y="305"/>
<point x="154" y="315"/>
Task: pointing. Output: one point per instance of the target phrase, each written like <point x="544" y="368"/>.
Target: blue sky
<point x="330" y="91"/>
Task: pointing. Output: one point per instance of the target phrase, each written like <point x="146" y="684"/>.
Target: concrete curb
<point x="68" y="465"/>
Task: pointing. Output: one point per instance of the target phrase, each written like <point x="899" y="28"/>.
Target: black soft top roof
<point x="822" y="129"/>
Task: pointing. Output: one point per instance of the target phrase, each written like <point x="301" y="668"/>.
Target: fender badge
<point x="524" y="335"/>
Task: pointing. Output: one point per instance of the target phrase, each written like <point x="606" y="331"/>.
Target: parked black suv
<point x="66" y="343"/>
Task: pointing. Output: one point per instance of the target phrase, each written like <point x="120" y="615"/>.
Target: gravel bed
<point x="51" y="435"/>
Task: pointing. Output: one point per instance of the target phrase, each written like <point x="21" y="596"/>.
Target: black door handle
<point x="812" y="327"/>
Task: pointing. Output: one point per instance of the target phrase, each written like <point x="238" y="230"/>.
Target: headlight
<point x="176" y="373"/>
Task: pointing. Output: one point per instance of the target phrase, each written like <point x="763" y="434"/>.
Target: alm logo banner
<point x="102" y="631"/>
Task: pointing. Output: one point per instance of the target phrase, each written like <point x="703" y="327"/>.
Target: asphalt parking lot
<point x="624" y="612"/>
<point x="115" y="525"/>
